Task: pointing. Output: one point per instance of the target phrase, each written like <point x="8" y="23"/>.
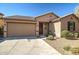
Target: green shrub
<point x="1" y="30"/>
<point x="75" y="50"/>
<point x="50" y="33"/>
<point x="50" y="37"/>
<point x="69" y="35"/>
<point x="67" y="48"/>
<point x="66" y="34"/>
<point x="76" y="35"/>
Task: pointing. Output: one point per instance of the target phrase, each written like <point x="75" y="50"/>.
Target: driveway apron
<point x="26" y="47"/>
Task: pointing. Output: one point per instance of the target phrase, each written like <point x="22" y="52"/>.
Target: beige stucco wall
<point x="56" y="28"/>
<point x="69" y="18"/>
<point x="5" y="28"/>
<point x="37" y="28"/>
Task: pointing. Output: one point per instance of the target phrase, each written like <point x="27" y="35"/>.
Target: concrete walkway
<point x="26" y="47"/>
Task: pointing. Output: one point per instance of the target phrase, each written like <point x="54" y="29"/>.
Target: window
<point x="71" y="26"/>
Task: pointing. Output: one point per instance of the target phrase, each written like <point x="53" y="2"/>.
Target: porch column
<point x="50" y="27"/>
<point x="44" y="29"/>
<point x="5" y="30"/>
<point x="37" y="28"/>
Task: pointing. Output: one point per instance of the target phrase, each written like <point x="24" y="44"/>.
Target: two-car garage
<point x="20" y="29"/>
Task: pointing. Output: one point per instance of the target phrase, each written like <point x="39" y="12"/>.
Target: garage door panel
<point x="20" y="29"/>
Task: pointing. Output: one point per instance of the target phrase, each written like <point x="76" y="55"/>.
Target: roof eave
<point x="17" y="19"/>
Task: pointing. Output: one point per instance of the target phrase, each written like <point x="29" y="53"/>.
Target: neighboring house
<point x="41" y="25"/>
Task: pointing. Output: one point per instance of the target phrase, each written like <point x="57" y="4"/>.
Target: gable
<point x="67" y="17"/>
<point x="46" y="18"/>
<point x="65" y="20"/>
<point x="70" y="18"/>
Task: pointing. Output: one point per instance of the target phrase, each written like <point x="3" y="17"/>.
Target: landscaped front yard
<point x="59" y="44"/>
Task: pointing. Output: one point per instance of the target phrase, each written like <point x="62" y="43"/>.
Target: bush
<point x="1" y="30"/>
<point x="67" y="34"/>
<point x="70" y="36"/>
<point x="50" y="33"/>
<point x="67" y="48"/>
<point x="76" y="35"/>
<point x="64" y="33"/>
<point x="50" y="37"/>
<point x="75" y="50"/>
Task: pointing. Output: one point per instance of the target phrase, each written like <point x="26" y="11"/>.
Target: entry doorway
<point x="40" y="28"/>
<point x="46" y="29"/>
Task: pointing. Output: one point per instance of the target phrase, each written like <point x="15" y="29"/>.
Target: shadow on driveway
<point x="2" y="39"/>
<point x="28" y="38"/>
<point x="20" y="38"/>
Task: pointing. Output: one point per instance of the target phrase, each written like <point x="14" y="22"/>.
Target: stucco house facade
<point x="17" y="25"/>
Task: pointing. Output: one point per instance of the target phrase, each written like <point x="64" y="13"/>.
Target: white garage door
<point x="21" y="29"/>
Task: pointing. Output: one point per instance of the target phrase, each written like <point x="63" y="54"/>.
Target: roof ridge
<point x="46" y="14"/>
<point x="19" y="15"/>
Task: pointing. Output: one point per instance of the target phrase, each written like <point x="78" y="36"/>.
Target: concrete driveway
<point x="26" y="47"/>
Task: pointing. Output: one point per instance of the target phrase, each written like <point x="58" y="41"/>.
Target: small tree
<point x="1" y="30"/>
<point x="67" y="34"/>
<point x="76" y="12"/>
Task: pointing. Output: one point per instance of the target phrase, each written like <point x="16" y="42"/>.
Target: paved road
<point x="26" y="47"/>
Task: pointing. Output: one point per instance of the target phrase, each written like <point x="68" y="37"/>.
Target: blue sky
<point x="35" y="9"/>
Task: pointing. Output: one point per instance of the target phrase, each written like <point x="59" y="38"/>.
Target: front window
<point x="71" y="26"/>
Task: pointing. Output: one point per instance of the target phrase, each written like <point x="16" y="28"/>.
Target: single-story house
<point x="17" y="25"/>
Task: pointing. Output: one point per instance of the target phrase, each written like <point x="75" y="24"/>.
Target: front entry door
<point x="46" y="28"/>
<point x="40" y="28"/>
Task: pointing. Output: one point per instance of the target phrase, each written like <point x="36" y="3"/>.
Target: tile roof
<point x="19" y="17"/>
<point x="59" y="19"/>
<point x="48" y="13"/>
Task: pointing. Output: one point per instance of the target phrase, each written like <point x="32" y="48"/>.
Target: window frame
<point x="71" y="26"/>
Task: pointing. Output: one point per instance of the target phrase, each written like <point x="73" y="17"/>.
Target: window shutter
<point x="68" y="26"/>
<point x="73" y="26"/>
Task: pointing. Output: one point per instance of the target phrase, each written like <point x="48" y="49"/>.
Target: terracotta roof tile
<point x="19" y="17"/>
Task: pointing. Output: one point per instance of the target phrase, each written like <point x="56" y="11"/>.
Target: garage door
<point x="21" y="29"/>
